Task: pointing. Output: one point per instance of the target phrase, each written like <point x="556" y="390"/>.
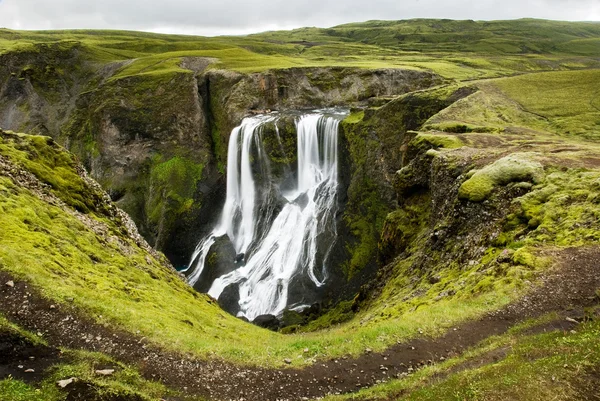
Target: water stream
<point x="279" y="245"/>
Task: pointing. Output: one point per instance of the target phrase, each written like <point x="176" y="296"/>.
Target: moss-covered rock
<point x="378" y="146"/>
<point x="516" y="167"/>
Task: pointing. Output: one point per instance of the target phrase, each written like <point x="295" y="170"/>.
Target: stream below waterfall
<point x="279" y="230"/>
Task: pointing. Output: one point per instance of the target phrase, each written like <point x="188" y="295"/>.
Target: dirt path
<point x="566" y="289"/>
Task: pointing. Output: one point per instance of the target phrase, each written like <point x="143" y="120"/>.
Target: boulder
<point x="267" y="321"/>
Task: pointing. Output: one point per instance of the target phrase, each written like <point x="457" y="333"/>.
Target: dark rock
<point x="292" y="318"/>
<point x="229" y="299"/>
<point x="301" y="200"/>
<point x="267" y="321"/>
<point x="221" y="259"/>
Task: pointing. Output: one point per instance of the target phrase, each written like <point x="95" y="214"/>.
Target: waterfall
<point x="275" y="245"/>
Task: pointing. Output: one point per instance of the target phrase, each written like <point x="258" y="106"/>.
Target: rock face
<point x="158" y="143"/>
<point x="376" y="147"/>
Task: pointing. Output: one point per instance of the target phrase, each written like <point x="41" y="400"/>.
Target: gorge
<point x="411" y="208"/>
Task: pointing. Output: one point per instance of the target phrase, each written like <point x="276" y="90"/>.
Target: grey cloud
<point x="231" y="16"/>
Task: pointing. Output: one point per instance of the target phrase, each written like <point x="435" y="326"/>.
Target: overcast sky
<point x="218" y="17"/>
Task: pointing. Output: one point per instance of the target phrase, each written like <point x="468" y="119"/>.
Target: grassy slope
<point x="118" y="284"/>
<point x="523" y="367"/>
<point x="126" y="382"/>
<point x="542" y="113"/>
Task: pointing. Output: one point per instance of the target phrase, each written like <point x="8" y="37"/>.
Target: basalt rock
<point x="229" y="299"/>
<point x="267" y="321"/>
<point x="221" y="259"/>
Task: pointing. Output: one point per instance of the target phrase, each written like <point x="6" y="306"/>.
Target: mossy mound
<point x="428" y="141"/>
<point x="516" y="167"/>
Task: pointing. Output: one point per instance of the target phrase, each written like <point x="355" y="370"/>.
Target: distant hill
<point x="523" y="36"/>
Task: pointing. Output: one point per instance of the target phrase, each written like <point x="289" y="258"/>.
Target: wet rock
<point x="267" y="321"/>
<point x="301" y="200"/>
<point x="221" y="259"/>
<point x="229" y="299"/>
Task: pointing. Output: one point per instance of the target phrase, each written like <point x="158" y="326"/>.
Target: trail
<point x="567" y="288"/>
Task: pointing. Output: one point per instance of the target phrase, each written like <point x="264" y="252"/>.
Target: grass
<point x="7" y="326"/>
<point x="562" y="103"/>
<point x="543" y="366"/>
<point x="495" y="48"/>
<point x="570" y="103"/>
<point x="117" y="283"/>
<point x="44" y="244"/>
<point x="81" y="365"/>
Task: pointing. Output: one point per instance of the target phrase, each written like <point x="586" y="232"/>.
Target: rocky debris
<point x="105" y="372"/>
<point x="64" y="383"/>
<point x="10" y="284"/>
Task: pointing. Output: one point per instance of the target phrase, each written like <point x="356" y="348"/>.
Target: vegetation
<point x="493" y="174"/>
<point x="530" y="367"/>
<point x="80" y="365"/>
<point x="513" y="168"/>
<point x="493" y="48"/>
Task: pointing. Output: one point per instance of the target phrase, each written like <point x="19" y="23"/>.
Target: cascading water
<point x="275" y="245"/>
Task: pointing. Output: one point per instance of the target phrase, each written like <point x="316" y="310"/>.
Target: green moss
<point x="15" y="390"/>
<point x="172" y="188"/>
<point x="426" y="141"/>
<point x="355" y="117"/>
<point x="52" y="165"/>
<point x="365" y="223"/>
<point x="342" y="312"/>
<point x="513" y="168"/>
<point x="563" y="210"/>
<point x="403" y="225"/>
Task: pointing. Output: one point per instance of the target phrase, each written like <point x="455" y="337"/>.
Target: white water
<point x="289" y="245"/>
